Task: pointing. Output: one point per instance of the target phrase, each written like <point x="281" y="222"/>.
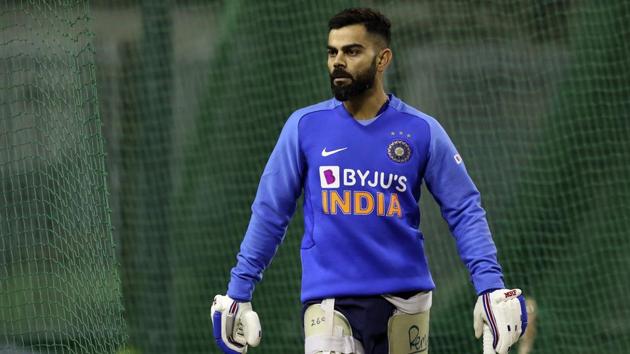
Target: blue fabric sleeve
<point x="460" y="203"/>
<point x="279" y="188"/>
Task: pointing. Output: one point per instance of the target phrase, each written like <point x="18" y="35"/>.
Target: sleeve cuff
<point x="489" y="284"/>
<point x="240" y="290"/>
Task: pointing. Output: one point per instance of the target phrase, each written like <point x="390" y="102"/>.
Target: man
<point x="360" y="159"/>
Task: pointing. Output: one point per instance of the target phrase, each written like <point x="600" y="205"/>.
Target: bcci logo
<point x="399" y="151"/>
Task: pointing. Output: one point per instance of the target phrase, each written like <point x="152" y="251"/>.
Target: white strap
<point x="328" y="305"/>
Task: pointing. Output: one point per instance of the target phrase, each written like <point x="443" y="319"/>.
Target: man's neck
<point x="367" y="105"/>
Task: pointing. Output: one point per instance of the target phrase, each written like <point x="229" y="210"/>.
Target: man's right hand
<point x="235" y="325"/>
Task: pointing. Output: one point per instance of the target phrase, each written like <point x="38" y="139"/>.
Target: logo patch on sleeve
<point x="458" y="159"/>
<point x="399" y="151"/>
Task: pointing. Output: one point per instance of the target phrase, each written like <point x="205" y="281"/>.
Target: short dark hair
<point x="374" y="21"/>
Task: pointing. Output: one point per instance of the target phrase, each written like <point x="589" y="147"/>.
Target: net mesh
<point x="193" y="95"/>
<point x="59" y="288"/>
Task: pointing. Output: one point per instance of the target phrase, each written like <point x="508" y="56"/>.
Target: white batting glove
<point x="500" y="316"/>
<point x="235" y="325"/>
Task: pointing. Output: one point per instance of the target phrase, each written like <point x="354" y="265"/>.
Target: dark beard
<point x="363" y="82"/>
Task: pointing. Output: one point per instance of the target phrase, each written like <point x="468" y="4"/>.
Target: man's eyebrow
<point x="347" y="47"/>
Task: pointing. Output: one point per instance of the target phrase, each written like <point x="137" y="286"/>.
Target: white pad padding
<point x="421" y="302"/>
<point x="328" y="331"/>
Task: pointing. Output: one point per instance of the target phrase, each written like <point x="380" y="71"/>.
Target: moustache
<point x="340" y="74"/>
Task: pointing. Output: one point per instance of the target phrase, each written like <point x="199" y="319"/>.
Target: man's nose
<point x="339" y="61"/>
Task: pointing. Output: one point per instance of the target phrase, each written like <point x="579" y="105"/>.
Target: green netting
<point x="59" y="288"/>
<point x="536" y="95"/>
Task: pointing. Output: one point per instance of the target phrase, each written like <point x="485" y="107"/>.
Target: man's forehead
<point x="353" y="34"/>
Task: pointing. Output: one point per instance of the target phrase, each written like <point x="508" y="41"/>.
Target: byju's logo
<point x="329" y="176"/>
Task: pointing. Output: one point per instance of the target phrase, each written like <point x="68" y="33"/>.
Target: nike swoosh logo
<point x="328" y="153"/>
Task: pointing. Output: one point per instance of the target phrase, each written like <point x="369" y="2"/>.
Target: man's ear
<point x="384" y="59"/>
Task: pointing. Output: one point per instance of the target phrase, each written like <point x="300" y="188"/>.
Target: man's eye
<point x="332" y="53"/>
<point x="353" y="52"/>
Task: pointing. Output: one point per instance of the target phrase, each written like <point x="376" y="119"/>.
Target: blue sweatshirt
<point x="361" y="189"/>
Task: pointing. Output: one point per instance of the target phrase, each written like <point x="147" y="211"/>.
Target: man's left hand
<point x="500" y="316"/>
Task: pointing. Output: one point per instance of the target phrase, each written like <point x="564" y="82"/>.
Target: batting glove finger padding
<point x="235" y="325"/>
<point x="500" y="316"/>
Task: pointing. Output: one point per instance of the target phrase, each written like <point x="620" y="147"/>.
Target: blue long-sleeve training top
<point x="361" y="186"/>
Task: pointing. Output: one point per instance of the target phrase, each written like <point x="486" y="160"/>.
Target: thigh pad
<point x="408" y="334"/>
<point x="328" y="331"/>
